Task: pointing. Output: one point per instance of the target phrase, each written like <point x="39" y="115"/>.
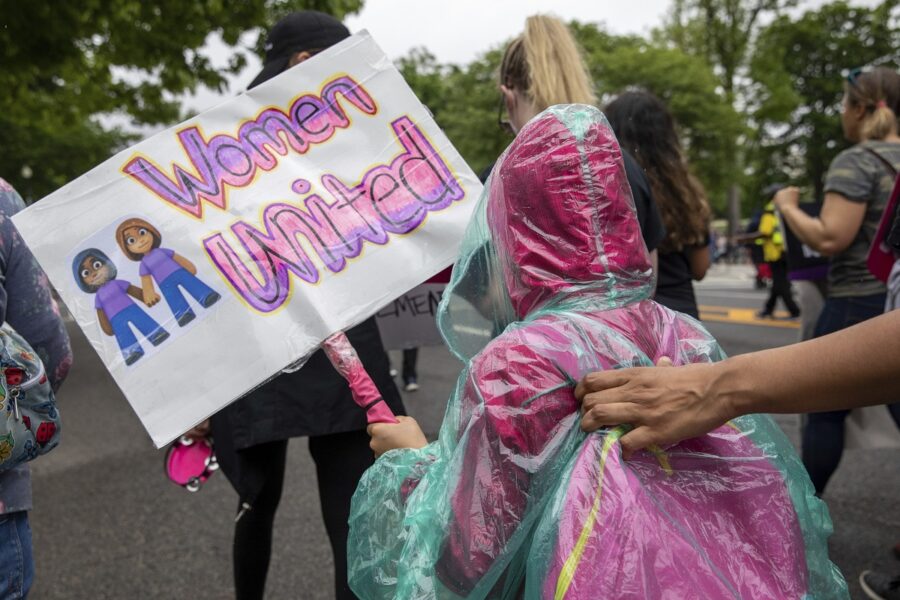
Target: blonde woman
<point x="544" y="66"/>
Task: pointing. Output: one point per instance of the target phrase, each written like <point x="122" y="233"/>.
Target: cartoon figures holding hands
<point x="117" y="313"/>
<point x="140" y="241"/>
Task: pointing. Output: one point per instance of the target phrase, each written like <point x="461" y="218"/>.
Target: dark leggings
<point x="340" y="459"/>
<point x="781" y="288"/>
<point x="823" y="436"/>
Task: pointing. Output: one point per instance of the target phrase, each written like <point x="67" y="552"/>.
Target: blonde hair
<point x="878" y="91"/>
<point x="546" y="64"/>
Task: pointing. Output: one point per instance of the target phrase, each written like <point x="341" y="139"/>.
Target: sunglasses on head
<point x="851" y="75"/>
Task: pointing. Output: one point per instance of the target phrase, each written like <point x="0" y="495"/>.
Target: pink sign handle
<point x="346" y="361"/>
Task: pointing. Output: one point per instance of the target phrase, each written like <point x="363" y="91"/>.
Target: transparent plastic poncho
<point x="513" y="499"/>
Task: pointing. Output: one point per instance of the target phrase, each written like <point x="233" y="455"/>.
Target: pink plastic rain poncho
<point x="513" y="499"/>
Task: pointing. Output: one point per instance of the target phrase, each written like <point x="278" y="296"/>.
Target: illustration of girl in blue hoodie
<point x="116" y="312"/>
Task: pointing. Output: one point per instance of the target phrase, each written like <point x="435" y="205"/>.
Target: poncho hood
<point x="555" y="228"/>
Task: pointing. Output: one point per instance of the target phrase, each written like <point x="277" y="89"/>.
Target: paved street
<point x="107" y="523"/>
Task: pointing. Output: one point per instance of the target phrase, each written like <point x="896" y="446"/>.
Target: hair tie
<point x="881" y="104"/>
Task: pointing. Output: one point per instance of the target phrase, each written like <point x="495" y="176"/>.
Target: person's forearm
<point x="858" y="366"/>
<point x="810" y="230"/>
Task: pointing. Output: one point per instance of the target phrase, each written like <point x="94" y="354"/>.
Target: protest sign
<point x="206" y="259"/>
<point x="410" y="320"/>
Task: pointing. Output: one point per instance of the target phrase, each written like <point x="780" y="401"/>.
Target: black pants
<point x="340" y="459"/>
<point x="781" y="288"/>
<point x="823" y="436"/>
<point x="410" y="355"/>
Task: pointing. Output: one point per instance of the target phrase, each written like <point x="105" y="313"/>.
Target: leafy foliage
<point x="797" y="87"/>
<point x="66" y="64"/>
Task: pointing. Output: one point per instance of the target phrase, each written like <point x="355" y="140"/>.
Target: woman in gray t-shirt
<point x="857" y="188"/>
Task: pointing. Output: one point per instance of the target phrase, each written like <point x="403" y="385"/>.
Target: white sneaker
<point x="411" y="386"/>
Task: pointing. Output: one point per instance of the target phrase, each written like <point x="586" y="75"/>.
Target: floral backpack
<point x="29" y="420"/>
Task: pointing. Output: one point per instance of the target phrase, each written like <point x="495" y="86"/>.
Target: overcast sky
<point x="456" y="31"/>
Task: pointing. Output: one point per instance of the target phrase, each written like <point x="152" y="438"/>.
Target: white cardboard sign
<point x="410" y="321"/>
<point x="206" y="259"/>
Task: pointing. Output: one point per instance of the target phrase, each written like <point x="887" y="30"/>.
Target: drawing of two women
<point x="117" y="313"/>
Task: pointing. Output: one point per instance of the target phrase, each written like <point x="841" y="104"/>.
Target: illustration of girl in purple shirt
<point x="139" y="241"/>
<point x="96" y="274"/>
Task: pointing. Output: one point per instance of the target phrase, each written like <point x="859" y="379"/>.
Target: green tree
<point x="464" y="101"/>
<point x="797" y="86"/>
<point x="65" y="65"/>
<point x="723" y="33"/>
<point x="708" y="124"/>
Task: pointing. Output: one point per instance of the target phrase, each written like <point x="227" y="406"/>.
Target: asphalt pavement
<point x="108" y="524"/>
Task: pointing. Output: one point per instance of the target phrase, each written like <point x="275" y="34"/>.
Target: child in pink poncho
<point x="513" y="500"/>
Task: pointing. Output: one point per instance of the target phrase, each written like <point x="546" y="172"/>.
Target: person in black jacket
<point x="251" y="435"/>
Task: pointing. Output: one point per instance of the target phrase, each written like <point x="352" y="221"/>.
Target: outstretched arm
<point x="854" y="367"/>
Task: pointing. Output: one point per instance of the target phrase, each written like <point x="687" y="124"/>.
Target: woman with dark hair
<point x="857" y="188"/>
<point x="646" y="129"/>
<point x="116" y="312"/>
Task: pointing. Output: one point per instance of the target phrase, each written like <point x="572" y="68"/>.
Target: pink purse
<point x="189" y="463"/>
<point x="880" y="259"/>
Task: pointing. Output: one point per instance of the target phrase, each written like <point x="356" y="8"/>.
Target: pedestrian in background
<point x="857" y="188"/>
<point x="645" y="128"/>
<point x="772" y="239"/>
<point x="27" y="305"/>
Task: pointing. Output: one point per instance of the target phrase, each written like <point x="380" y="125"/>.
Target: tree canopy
<point x="65" y="65"/>
<point x="754" y="85"/>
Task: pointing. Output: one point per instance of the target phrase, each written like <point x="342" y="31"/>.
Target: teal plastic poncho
<point x="513" y="500"/>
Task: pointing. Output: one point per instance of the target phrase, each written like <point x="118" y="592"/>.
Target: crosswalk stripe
<point x="744" y="316"/>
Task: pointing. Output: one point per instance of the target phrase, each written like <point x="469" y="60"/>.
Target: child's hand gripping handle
<point x="346" y="361"/>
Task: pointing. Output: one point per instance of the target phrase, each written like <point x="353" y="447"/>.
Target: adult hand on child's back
<point x="390" y="436"/>
<point x="664" y="406"/>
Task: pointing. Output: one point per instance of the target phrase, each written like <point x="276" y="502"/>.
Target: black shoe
<point x="158" y="337"/>
<point x="210" y="299"/>
<point x="133" y="357"/>
<point x="763" y="314"/>
<point x="879" y="586"/>
<point x="186" y="318"/>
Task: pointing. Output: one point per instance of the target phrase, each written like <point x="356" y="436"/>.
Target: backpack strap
<point x="882" y="159"/>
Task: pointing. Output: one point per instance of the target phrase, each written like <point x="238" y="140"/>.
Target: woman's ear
<point x="858" y="111"/>
<point x="509" y="100"/>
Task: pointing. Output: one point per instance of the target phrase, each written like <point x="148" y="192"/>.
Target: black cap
<point x="305" y="30"/>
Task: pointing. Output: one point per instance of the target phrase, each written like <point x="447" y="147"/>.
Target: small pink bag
<point x="189" y="463"/>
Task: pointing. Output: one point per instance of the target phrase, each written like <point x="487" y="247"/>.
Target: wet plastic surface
<point x="346" y="361"/>
<point x="513" y="500"/>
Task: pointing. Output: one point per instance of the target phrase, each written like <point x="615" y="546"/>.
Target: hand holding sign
<point x="346" y="362"/>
